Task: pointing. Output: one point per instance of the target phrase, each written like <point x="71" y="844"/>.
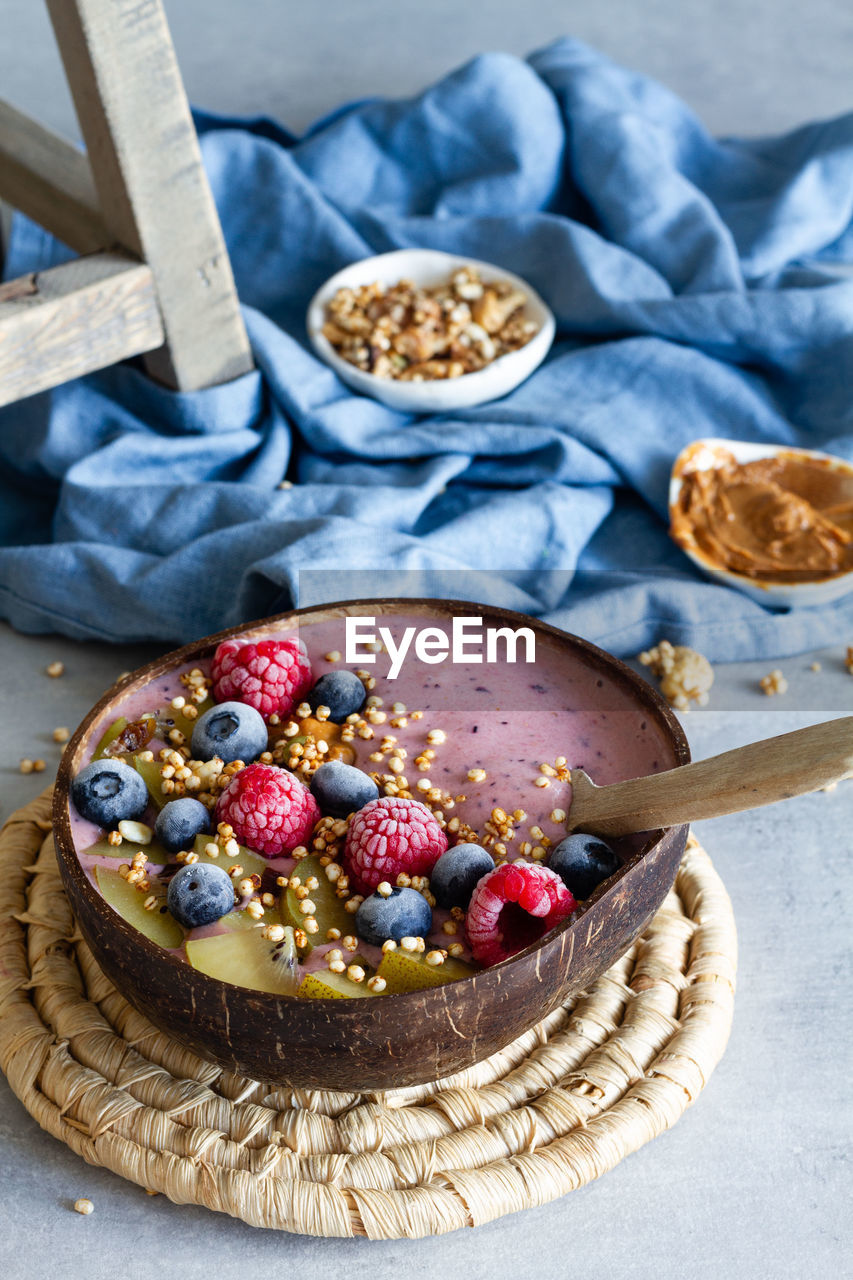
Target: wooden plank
<point x="50" y="181"/>
<point x="153" y="191"/>
<point x="59" y="324"/>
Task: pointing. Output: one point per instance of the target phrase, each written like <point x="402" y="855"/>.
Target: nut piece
<point x="419" y="334"/>
<point x="685" y="675"/>
<point x="135" y="832"/>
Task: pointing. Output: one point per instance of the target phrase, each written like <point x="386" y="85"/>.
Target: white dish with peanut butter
<point x="773" y="521"/>
<point x="429" y="332"/>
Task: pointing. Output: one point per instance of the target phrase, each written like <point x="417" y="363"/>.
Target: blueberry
<point x="582" y="862"/>
<point x="341" y="691"/>
<point x="232" y="731"/>
<point x="108" y="791"/>
<point x="199" y="894"/>
<point x="453" y="877"/>
<point x="340" y="789"/>
<point x="404" y="914"/>
<point x="179" y="822"/>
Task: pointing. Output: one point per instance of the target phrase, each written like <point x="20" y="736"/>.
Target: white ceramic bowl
<point x="430" y="267"/>
<point x="704" y="454"/>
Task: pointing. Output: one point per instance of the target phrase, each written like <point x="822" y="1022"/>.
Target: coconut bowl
<point x="393" y="1040"/>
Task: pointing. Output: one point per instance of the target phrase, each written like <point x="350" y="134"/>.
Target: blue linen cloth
<point x="699" y="290"/>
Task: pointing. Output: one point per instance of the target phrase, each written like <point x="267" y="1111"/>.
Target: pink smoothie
<point x="505" y="719"/>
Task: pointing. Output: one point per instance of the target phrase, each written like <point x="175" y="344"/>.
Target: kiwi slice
<point x="150" y="773"/>
<point x="250" y="862"/>
<point x="154" y="851"/>
<point x="128" y="901"/>
<point x="409" y="971"/>
<point x="110" y="736"/>
<point x="325" y="985"/>
<point x="330" y="913"/>
<point x="242" y="956"/>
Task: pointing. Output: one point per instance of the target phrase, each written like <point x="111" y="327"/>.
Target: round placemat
<point x="558" y="1107"/>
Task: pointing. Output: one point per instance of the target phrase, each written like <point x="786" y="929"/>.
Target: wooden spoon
<point x="791" y="764"/>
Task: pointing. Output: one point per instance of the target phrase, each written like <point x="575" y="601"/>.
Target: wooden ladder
<point x="153" y="277"/>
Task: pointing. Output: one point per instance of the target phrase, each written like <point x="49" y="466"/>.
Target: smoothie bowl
<point x="330" y="851"/>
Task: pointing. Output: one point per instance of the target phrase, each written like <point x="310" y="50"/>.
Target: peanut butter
<point x="788" y="517"/>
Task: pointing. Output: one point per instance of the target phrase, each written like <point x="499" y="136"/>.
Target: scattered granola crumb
<point x="61" y="735"/>
<point x="815" y="666"/>
<point x="685" y="676"/>
<point x="774" y="682"/>
<point x="26" y="765"/>
<point x="55" y="670"/>
<point x="83" y="1206"/>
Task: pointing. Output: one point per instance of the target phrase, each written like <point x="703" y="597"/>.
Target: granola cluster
<point x="685" y="676"/>
<point x="418" y="334"/>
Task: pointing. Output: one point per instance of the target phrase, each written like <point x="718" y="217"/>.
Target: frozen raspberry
<point x="512" y="907"/>
<point x="272" y="676"/>
<point x="389" y="836"/>
<point x="270" y="810"/>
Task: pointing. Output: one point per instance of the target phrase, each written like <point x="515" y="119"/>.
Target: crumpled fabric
<point x="699" y="288"/>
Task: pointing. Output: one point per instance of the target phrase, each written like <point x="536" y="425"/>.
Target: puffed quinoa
<point x="55" y="670"/>
<point x="84" y="1206"/>
<point x="774" y="682"/>
<point x="61" y="735"/>
<point x="477" y="775"/>
<point x="376" y="984"/>
<point x="685" y="676"/>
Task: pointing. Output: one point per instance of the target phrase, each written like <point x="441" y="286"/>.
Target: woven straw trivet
<point x="557" y="1108"/>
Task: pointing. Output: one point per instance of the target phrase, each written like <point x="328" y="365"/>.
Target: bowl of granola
<point x="428" y="332"/>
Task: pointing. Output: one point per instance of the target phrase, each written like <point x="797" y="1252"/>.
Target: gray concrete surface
<point x="754" y="68"/>
<point x="754" y="1180"/>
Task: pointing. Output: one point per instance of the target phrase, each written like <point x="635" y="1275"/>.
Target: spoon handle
<point x="791" y="764"/>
